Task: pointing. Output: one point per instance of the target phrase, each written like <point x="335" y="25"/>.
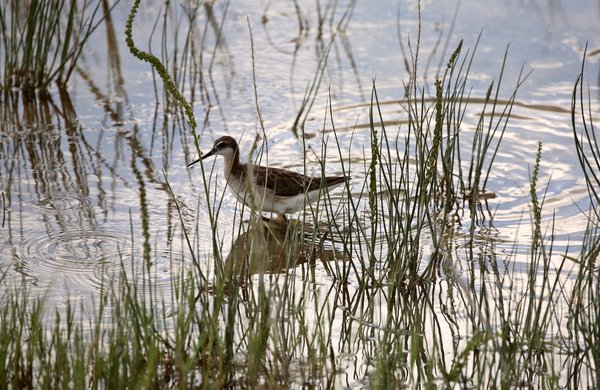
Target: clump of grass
<point x="414" y="188"/>
<point x="41" y="41"/>
<point x="131" y="341"/>
<point x="529" y="311"/>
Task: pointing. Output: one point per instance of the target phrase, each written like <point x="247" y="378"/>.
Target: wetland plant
<point x="41" y="40"/>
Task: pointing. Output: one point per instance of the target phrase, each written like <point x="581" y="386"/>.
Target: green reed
<point x="337" y="28"/>
<point x="587" y="144"/>
<point x="584" y="309"/>
<point x="194" y="51"/>
<point x="158" y="66"/>
<point x="41" y="41"/>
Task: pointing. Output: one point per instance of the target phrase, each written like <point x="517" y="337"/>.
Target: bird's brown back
<point x="289" y="183"/>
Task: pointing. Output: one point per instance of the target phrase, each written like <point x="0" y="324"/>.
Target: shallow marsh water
<point x="85" y="175"/>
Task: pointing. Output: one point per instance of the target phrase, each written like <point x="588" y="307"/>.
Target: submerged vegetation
<point x="396" y="282"/>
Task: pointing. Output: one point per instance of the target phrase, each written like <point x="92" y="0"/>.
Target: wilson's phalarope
<point x="275" y="190"/>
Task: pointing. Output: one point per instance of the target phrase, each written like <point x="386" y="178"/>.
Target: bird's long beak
<point x="202" y="158"/>
<point x="193" y="162"/>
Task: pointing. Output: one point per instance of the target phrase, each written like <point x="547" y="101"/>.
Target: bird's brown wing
<point x="284" y="182"/>
<point x="290" y="183"/>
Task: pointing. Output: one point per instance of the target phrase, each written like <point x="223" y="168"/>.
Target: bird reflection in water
<point x="271" y="247"/>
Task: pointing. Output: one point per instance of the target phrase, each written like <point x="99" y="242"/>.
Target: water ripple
<point x="72" y="255"/>
<point x="62" y="202"/>
<point x="88" y="260"/>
